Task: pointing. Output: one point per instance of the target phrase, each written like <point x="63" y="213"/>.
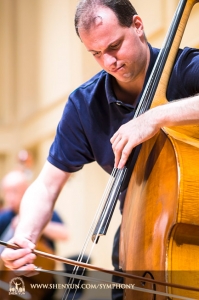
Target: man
<point x="104" y="107"/>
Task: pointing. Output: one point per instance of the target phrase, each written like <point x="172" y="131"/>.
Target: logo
<point x="17" y="286"/>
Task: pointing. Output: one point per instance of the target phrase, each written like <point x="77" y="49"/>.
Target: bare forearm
<point x="138" y="130"/>
<point x="176" y="113"/>
<point x="38" y="202"/>
<point x="35" y="212"/>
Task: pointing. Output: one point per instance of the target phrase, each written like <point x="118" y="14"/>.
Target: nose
<point x="109" y="61"/>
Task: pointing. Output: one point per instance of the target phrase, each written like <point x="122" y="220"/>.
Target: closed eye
<point x="115" y="46"/>
<point x="96" y="53"/>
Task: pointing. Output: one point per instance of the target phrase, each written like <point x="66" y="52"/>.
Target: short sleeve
<point x="184" y="81"/>
<point x="70" y="149"/>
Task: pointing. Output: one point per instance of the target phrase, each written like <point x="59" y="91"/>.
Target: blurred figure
<point x="13" y="187"/>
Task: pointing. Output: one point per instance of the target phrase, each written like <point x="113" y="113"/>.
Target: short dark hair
<point x="85" y="12"/>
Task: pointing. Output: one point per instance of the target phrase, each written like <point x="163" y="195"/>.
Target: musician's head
<point x="113" y="32"/>
<point x="13" y="187"/>
<point x="86" y="12"/>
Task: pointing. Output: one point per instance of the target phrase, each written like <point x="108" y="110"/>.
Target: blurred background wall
<point x="42" y="61"/>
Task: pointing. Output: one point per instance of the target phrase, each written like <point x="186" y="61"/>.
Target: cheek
<point x="133" y="49"/>
<point x="128" y="57"/>
<point x="127" y="53"/>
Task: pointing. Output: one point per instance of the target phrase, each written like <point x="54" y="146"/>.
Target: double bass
<point x="159" y="236"/>
<point x="155" y="220"/>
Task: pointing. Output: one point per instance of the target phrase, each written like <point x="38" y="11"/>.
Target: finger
<point x="118" y="149"/>
<point x="10" y="254"/>
<point x="124" y="156"/>
<point x="20" y="258"/>
<point x="116" y="141"/>
<point x="23" y="243"/>
<point x="117" y="135"/>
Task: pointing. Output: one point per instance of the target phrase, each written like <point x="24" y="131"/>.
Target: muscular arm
<point x="136" y="131"/>
<point x="35" y="211"/>
<point x="38" y="202"/>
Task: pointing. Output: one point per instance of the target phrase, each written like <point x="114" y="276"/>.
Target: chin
<point x="127" y="76"/>
<point x="125" y="79"/>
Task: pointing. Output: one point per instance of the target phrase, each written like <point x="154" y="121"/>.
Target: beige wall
<point x="42" y="61"/>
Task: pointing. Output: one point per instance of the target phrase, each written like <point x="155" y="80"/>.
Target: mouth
<point x="117" y="69"/>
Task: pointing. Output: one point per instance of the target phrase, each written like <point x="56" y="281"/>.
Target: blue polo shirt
<point x="93" y="114"/>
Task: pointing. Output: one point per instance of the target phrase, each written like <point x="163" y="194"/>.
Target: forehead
<point x="103" y="28"/>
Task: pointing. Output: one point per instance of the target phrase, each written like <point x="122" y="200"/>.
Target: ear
<point x="137" y="22"/>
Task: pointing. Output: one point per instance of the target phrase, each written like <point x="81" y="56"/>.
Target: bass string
<point x="85" y="246"/>
<point x="148" y="94"/>
<point x="112" y="182"/>
<point x="154" y="78"/>
<point x="117" y="173"/>
<point x="99" y="212"/>
<point x="115" y="189"/>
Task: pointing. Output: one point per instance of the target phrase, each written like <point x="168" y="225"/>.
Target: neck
<point x="128" y="92"/>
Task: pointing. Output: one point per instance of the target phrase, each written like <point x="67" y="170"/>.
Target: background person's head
<point x="13" y="187"/>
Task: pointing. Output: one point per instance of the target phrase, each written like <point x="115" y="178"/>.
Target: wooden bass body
<point x="160" y="236"/>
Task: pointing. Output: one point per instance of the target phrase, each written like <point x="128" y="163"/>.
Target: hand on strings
<point x="130" y="135"/>
<point x="21" y="259"/>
